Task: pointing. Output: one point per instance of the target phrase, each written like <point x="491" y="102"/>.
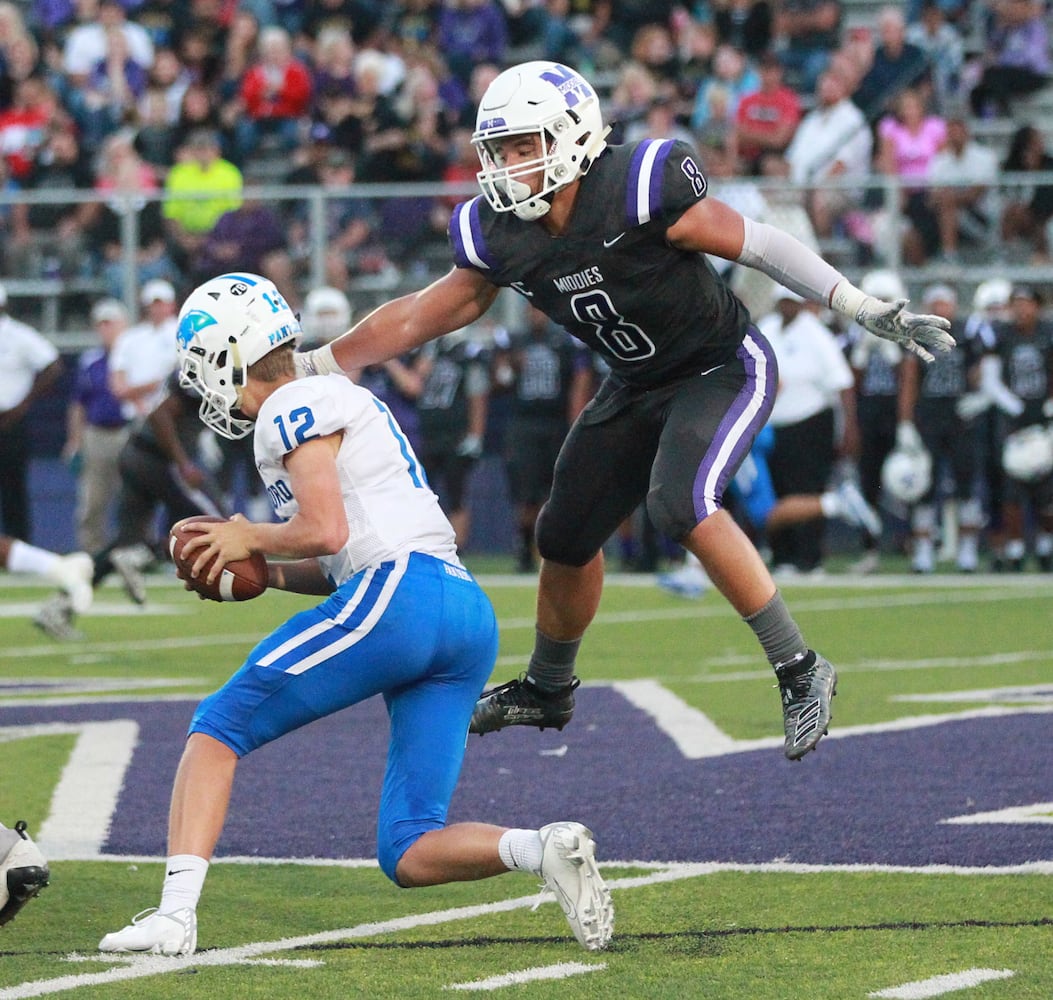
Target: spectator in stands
<point x="198" y="111"/>
<point x="48" y="240"/>
<point x="24" y="125"/>
<point x="239" y="49"/>
<point x="815" y="390"/>
<point x="733" y="77"/>
<point x="1016" y="60"/>
<point x="275" y="97"/>
<point x="652" y="47"/>
<point x="20" y="62"/>
<point x="412" y="26"/>
<point x="908" y="141"/>
<point x="633" y="93"/>
<point x="660" y="122"/>
<point x="171" y="78"/>
<point x="29" y="368"/>
<point x="832" y="142"/>
<point x="145" y="354"/>
<point x="470" y="32"/>
<point x="352" y="226"/>
<point x="767" y="118"/>
<point x="963" y="176"/>
<point x="129" y="180"/>
<point x="695" y="44"/>
<point x="944" y="49"/>
<point x="620" y="20"/>
<point x="96" y="428"/>
<point x="86" y="44"/>
<point x="927" y="418"/>
<point x="897" y="64"/>
<point x="1029" y="210"/>
<point x="332" y="68"/>
<point x="250" y="237"/>
<point x="745" y="24"/>
<point x="201" y="171"/>
<point x="807" y="33"/>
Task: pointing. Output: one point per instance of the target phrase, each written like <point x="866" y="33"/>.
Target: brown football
<point x="240" y="581"/>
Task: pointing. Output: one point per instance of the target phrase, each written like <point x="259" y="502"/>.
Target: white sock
<point x="521" y="850"/>
<point x="25" y="558"/>
<point x="184" y="880"/>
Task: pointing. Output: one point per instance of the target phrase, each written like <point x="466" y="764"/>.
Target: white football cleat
<point x="156" y="933"/>
<point x="568" y="866"/>
<point x="55" y="618"/>
<point x="73" y="574"/>
<point x="23" y="870"/>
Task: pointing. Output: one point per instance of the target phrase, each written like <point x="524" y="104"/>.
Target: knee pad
<point x="555" y="546"/>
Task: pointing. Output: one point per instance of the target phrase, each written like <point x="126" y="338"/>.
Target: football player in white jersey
<point x="611" y="242"/>
<point x="403" y="619"/>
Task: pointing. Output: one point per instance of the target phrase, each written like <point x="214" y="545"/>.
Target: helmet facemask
<point x="217" y="376"/>
<point x="559" y="108"/>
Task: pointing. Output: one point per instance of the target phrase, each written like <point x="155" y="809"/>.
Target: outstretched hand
<point x="921" y="334"/>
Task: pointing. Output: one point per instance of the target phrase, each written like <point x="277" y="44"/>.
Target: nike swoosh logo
<point x="610" y="243"/>
<point x="713" y="369"/>
<point x="180" y="871"/>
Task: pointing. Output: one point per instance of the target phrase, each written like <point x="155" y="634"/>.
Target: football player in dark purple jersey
<point x="611" y="242"/>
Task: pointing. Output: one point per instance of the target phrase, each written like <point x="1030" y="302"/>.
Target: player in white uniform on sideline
<point x="403" y="619"/>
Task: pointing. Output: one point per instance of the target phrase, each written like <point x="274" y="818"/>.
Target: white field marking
<point x="697" y="737"/>
<point x="85" y="796"/>
<point x="937" y="986"/>
<point x="109" y="959"/>
<point x="75" y="649"/>
<point x="824" y="605"/>
<point x="562" y="970"/>
<point x="1022" y="692"/>
<point x="26" y="609"/>
<point x="151" y="965"/>
<point x="1037" y="812"/>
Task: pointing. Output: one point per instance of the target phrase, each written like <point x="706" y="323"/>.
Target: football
<point x="240" y="581"/>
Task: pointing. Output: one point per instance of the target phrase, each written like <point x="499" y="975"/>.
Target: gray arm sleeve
<point x="788" y="261"/>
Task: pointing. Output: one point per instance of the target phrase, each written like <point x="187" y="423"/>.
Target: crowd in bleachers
<point x="153" y="104"/>
<point x="168" y="97"/>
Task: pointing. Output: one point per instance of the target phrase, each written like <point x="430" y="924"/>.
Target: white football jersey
<point x="391" y="510"/>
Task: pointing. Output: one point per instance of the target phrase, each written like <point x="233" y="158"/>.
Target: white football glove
<point x="972" y="404"/>
<point x="918" y="333"/>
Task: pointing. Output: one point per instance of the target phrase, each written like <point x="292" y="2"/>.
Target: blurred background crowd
<point x="145" y="146"/>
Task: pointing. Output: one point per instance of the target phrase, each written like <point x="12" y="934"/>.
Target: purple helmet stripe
<point x="740" y="425"/>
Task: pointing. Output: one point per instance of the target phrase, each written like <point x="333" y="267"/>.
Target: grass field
<point x="735" y="874"/>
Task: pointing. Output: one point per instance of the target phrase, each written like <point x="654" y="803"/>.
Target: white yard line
<point x="145" y="966"/>
<point x="937" y="986"/>
<point x="562" y="970"/>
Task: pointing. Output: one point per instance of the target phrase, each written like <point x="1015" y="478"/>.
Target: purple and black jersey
<point x="655" y="313"/>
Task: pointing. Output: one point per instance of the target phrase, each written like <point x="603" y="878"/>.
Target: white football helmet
<point x="225" y="325"/>
<point x="1027" y="454"/>
<point x="907" y="475"/>
<point x="992" y="294"/>
<point x="326" y="315"/>
<point x="556" y="104"/>
<point x="883" y="284"/>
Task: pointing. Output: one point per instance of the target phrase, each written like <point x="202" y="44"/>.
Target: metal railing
<point x="416" y="269"/>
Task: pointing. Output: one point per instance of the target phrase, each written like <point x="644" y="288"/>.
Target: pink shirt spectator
<point x="913" y="148"/>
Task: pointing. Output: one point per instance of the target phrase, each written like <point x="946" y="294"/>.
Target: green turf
<point x="731" y="935"/>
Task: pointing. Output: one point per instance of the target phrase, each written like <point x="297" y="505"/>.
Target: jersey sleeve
<point x="467" y="238"/>
<point x="664" y="181"/>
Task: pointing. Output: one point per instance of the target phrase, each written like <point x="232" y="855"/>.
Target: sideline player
<point x="403" y="619"/>
<point x="23" y="870"/>
<point x="610" y="242"/>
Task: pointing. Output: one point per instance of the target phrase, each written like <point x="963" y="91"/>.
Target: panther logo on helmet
<point x="907" y="475"/>
<point x="227" y="324"/>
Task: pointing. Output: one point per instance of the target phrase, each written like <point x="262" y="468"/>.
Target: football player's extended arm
<point x="456" y="299"/>
<point x="710" y="226"/>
